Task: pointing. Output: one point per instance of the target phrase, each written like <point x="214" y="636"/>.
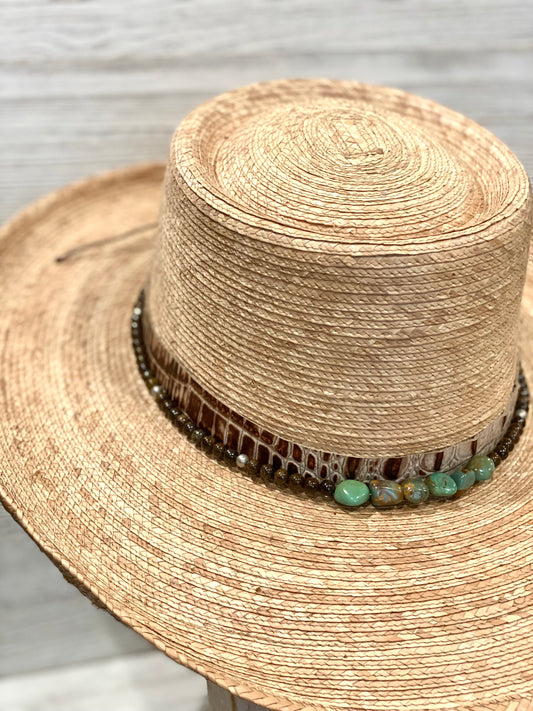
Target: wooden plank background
<point x="91" y="84"/>
<point x="86" y="85"/>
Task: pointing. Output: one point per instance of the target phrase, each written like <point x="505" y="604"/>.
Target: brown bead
<point x="148" y="377"/>
<point x="296" y="481"/>
<point x="508" y="443"/>
<point x="502" y="450"/>
<point x="230" y="456"/>
<point x="252" y="468"/>
<point x="208" y="442"/>
<point x="144" y="369"/>
<point x="182" y="420"/>
<point x="514" y="432"/>
<point x="197" y="436"/>
<point x="267" y="472"/>
<point x="167" y="406"/>
<point x="328" y="487"/>
<point x="281" y="477"/>
<point x="188" y="429"/>
<point x="312" y="483"/>
<point x="495" y="458"/>
<point x="218" y="450"/>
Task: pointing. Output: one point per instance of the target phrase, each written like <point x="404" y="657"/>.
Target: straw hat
<point x="333" y="276"/>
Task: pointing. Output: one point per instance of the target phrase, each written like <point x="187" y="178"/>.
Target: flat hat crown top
<point x="343" y="265"/>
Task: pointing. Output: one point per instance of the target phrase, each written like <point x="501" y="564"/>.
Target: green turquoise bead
<point x="483" y="467"/>
<point x="351" y="492"/>
<point x="385" y="493"/>
<point x="415" y="491"/>
<point x="441" y="485"/>
<point x="464" y="478"/>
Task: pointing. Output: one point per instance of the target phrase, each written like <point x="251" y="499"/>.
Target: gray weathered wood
<point x="44" y="622"/>
<point x="90" y="85"/>
<point x="140" y="682"/>
<point x="221" y="700"/>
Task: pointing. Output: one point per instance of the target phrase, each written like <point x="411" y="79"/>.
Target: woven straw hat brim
<point x="290" y="602"/>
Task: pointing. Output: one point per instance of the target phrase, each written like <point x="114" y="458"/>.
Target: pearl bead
<point x="156" y="390"/>
<point x="521" y="414"/>
<point x="242" y="460"/>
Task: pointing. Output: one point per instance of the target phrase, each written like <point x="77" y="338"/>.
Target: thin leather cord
<point x="76" y="251"/>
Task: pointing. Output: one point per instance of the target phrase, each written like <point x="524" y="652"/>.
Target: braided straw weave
<point x="343" y="265"/>
<point x="289" y="601"/>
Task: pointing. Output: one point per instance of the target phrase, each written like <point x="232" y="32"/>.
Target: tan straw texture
<point x="343" y="265"/>
<point x="289" y="601"/>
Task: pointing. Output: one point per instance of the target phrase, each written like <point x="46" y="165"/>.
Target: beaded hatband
<point x="258" y="442"/>
<point x="351" y="491"/>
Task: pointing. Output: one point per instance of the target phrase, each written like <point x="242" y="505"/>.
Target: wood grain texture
<point x="140" y="682"/>
<point x="44" y="622"/>
<point x="86" y="85"/>
<point x="221" y="700"/>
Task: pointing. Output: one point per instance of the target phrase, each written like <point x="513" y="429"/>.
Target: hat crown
<point x="343" y="265"/>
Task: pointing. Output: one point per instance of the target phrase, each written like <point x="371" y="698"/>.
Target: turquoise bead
<point x="483" y="467"/>
<point x="464" y="478"/>
<point x="415" y="491"/>
<point x="351" y="492"/>
<point x="385" y="493"/>
<point x="441" y="485"/>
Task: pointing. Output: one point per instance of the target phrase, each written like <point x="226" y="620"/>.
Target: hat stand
<point x="222" y="700"/>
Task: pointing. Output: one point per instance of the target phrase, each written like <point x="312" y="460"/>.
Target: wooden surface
<point x="91" y="84"/>
<point x="221" y="700"/>
<point x="88" y="85"/>
<point x="137" y="682"/>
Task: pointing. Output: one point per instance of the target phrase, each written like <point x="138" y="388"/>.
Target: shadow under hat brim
<point x="291" y="602"/>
